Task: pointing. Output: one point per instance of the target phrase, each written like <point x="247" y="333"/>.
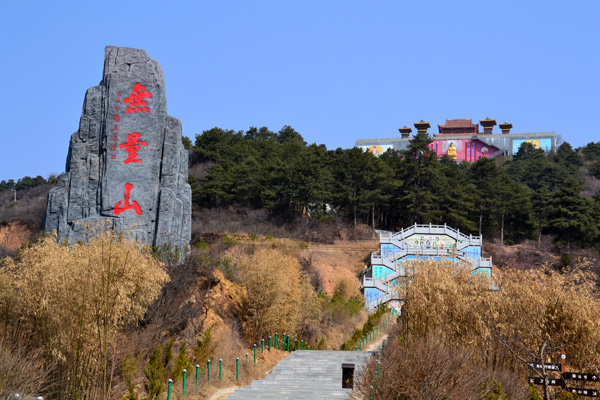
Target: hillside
<point x="278" y="248"/>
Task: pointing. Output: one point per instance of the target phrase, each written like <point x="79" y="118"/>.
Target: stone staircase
<point x="306" y="374"/>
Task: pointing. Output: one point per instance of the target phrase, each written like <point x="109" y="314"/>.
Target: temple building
<point x="462" y="140"/>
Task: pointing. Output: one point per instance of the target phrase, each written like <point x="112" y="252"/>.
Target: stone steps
<point x="305" y="374"/>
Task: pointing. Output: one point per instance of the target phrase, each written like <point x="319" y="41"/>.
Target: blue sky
<point x="335" y="71"/>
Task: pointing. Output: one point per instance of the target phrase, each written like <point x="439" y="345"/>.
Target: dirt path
<point x="376" y="344"/>
<point x="223" y="393"/>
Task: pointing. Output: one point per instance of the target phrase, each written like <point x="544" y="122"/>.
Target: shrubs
<point x="565" y="262"/>
<point x="278" y="296"/>
<point x="372" y="321"/>
<point x="451" y="317"/>
<point x="154" y="373"/>
<point x="181" y="362"/>
<point x="71" y="301"/>
<point x="423" y="368"/>
<point x="21" y="370"/>
<point x="205" y="347"/>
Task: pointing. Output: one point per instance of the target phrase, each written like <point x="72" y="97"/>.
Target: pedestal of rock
<point x="126" y="166"/>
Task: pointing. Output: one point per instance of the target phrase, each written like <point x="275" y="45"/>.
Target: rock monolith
<point x="126" y="166"/>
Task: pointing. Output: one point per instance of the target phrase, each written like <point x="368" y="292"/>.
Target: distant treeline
<point x="26" y="183"/>
<point x="530" y="195"/>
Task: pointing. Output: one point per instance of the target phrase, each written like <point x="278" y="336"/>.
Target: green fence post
<point x="283" y="343"/>
<point x="302" y="345"/>
<point x="307" y="347"/>
<point x="269" y="344"/>
<point x="237" y="369"/>
<point x="275" y="340"/>
<point x="220" y="369"/>
<point x="169" y="389"/>
<point x="360" y="344"/>
<point x="255" y="354"/>
<point x="262" y="341"/>
<point x="355" y="348"/>
<point x="184" y="376"/>
<point x="295" y="344"/>
<point x="208" y="371"/>
<point x="197" y="376"/>
<point x="246" y="362"/>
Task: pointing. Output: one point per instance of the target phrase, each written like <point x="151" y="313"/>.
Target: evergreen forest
<point x="530" y="195"/>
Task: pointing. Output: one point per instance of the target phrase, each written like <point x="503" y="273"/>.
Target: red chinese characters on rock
<point x="136" y="99"/>
<point x="116" y="119"/>
<point x="125" y="203"/>
<point x="131" y="147"/>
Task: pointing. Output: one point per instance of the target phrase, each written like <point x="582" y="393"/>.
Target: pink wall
<point x="466" y="149"/>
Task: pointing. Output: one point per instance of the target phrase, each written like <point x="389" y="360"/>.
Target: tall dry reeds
<point x="278" y="296"/>
<point x="523" y="316"/>
<point x="69" y="302"/>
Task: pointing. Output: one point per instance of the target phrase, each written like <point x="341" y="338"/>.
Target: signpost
<point x="583" y="392"/>
<point x="546" y="366"/>
<point x="575" y="376"/>
<point x="551" y="382"/>
<point x="578" y="376"/>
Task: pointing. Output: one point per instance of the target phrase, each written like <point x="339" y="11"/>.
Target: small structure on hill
<point x="461" y="140"/>
<point x="417" y="242"/>
<point x="126" y="167"/>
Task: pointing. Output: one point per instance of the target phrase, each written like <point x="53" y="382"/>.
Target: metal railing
<point x="397" y="239"/>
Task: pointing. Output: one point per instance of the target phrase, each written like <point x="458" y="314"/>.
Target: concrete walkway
<point x="305" y="374"/>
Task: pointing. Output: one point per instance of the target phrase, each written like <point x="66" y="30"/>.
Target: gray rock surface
<point x="126" y="165"/>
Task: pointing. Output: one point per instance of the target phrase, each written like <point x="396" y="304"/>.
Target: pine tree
<point x="542" y="203"/>
<point x="420" y="177"/>
<point x="154" y="372"/>
<point x="571" y="216"/>
<point x="181" y="362"/>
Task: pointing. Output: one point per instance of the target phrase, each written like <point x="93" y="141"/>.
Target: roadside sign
<point x="581" y="376"/>
<point x="547" y="366"/>
<point x="583" y="392"/>
<point x="551" y="382"/>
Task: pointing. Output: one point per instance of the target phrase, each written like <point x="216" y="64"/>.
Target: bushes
<point x="71" y="301"/>
<point x="450" y="317"/>
<point x="372" y="321"/>
<point x="278" y="296"/>
<point x="205" y="347"/>
<point x="423" y="368"/>
<point x="21" y="370"/>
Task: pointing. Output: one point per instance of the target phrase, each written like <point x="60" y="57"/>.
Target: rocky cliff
<point x="126" y="167"/>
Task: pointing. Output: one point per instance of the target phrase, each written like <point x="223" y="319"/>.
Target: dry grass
<point x="22" y="370"/>
<point x="29" y="209"/>
<point x="431" y="368"/>
<point x="219" y="222"/>
<point x="70" y="302"/>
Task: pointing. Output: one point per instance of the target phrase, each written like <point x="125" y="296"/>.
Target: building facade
<point x="397" y="251"/>
<point x="462" y="140"/>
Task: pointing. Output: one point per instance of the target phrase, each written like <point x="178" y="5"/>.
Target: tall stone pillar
<point x="126" y="167"/>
